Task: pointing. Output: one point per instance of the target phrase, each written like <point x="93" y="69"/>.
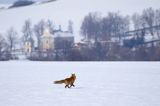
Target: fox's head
<point x="73" y="75"/>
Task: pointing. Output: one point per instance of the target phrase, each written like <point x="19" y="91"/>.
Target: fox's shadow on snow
<point x="79" y="87"/>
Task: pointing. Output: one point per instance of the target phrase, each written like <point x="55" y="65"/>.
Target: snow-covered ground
<point x="25" y="83"/>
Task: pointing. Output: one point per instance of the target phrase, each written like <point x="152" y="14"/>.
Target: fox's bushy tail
<point x="59" y="82"/>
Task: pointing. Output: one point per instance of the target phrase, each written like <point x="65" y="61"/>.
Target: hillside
<point x="12" y="1"/>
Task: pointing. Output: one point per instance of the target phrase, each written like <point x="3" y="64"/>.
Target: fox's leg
<point x="72" y="85"/>
<point x="67" y="86"/>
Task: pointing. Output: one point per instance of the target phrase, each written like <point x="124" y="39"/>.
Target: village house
<point x="28" y="45"/>
<point x="58" y="40"/>
<point x="46" y="41"/>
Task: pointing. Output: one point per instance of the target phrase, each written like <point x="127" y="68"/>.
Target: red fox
<point x="69" y="82"/>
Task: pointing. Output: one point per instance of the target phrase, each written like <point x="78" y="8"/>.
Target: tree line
<point x="95" y="27"/>
<point x="114" y="25"/>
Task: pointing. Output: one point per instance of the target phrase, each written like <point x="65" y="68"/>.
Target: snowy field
<point x="98" y="84"/>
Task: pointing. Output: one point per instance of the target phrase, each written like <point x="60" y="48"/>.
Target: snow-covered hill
<point x="12" y="1"/>
<point x="98" y="84"/>
<point x="63" y="10"/>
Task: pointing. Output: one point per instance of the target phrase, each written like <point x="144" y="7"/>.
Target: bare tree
<point x="157" y="21"/>
<point x="2" y="44"/>
<point x="70" y="26"/>
<point x="50" y="25"/>
<point x="148" y="17"/>
<point x="38" y="30"/>
<point x="4" y="55"/>
<point x="27" y="30"/>
<point x="12" y="38"/>
<point x="106" y="29"/>
<point x="157" y="17"/>
<point x="115" y="24"/>
<point x="137" y="21"/>
<point x="90" y="27"/>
